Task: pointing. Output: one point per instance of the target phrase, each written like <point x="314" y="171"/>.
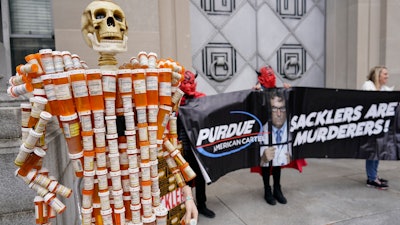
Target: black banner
<point x="229" y="131"/>
<point x="334" y="123"/>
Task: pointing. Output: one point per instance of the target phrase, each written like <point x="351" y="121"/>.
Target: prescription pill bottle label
<point x="80" y="89"/>
<point x="107" y="220"/>
<point x="77" y="165"/>
<point x="37" y="212"/>
<point x="64" y="191"/>
<point x="152" y="61"/>
<point x="134" y="179"/>
<point x="165" y="120"/>
<point x="50" y="92"/>
<point x="71" y="130"/>
<point x="165" y="89"/>
<point x="135" y="197"/>
<point x="67" y="61"/>
<point x="129" y="122"/>
<point x="152" y="83"/>
<point x="123" y="158"/>
<point x="63" y="92"/>
<point x="95" y="87"/>
<point x="110" y="106"/>
<point x="98" y="119"/>
<point x="140" y="86"/>
<point x="25" y="118"/>
<point x="74" y="129"/>
<point x="152" y="114"/>
<point x="48" y="64"/>
<point x="109" y="84"/>
<point x="86" y="122"/>
<point x="101" y="160"/>
<point x="125" y="85"/>
<point x="113" y="145"/>
<point x="66" y="130"/>
<point x="103" y="184"/>
<point x="58" y="64"/>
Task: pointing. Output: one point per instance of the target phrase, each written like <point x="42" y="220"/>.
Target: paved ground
<point x="329" y="191"/>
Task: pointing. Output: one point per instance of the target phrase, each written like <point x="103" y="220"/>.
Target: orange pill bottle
<point x="119" y="216"/>
<point x="152" y="86"/>
<point x="161" y="215"/>
<point x="15" y="91"/>
<point x="125" y="82"/>
<point x="23" y="154"/>
<point x="39" y="104"/>
<point x="164" y="92"/>
<point x="76" y="61"/>
<point x="127" y="205"/>
<point x="58" y="61"/>
<point x="26" y="109"/>
<point x="51" y="94"/>
<point x="17" y="80"/>
<point x="34" y="59"/>
<point x="27" y="68"/>
<point x="71" y="128"/>
<point x="67" y="59"/>
<point x="162" y="120"/>
<point x="152" y="60"/>
<point x="31" y="161"/>
<point x="143" y="60"/>
<point x="40" y="210"/>
<point x="86" y="216"/>
<point x="94" y="81"/>
<point x="109" y="82"/>
<point x="77" y="163"/>
<point x="80" y="90"/>
<point x="134" y="62"/>
<point x="54" y="203"/>
<point x="139" y="87"/>
<point x="63" y="93"/>
<point x="46" y="59"/>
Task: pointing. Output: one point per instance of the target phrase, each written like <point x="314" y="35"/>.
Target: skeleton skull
<point x="104" y="27"/>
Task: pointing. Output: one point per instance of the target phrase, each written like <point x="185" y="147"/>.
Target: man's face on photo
<point x="278" y="112"/>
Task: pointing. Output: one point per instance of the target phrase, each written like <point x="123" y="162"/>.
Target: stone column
<point x="174" y="19"/>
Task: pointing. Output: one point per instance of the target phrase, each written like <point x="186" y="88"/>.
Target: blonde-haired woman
<point x="376" y="81"/>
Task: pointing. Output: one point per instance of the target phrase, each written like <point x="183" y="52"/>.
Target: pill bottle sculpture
<point x="119" y="124"/>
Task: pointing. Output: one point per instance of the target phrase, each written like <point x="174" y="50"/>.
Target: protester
<point x="376" y="81"/>
<point x="188" y="86"/>
<point x="279" y="153"/>
<point x="275" y="157"/>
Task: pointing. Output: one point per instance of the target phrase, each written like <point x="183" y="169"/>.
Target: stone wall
<point x="16" y="199"/>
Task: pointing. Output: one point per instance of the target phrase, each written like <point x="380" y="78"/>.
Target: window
<point x="31" y="28"/>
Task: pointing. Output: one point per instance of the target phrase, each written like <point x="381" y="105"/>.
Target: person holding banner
<point x="376" y="81"/>
<point x="273" y="160"/>
<point x="188" y="86"/>
<point x="275" y="151"/>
